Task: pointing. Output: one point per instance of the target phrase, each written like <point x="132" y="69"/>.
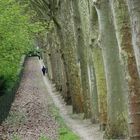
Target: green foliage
<point x="17" y="33"/>
<point x="16" y="38"/>
<point x="66" y="134"/>
<point x="35" y="52"/>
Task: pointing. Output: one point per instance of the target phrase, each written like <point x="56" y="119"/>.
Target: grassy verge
<point x="65" y="133"/>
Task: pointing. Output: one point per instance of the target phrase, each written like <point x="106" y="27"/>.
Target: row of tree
<point x="92" y="50"/>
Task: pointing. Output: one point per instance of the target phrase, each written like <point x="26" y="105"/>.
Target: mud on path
<point x="30" y="115"/>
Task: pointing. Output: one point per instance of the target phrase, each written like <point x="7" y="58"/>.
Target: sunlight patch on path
<point x="84" y="128"/>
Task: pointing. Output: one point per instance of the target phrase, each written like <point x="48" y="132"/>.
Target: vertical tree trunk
<point x="82" y="56"/>
<point x="54" y="60"/>
<point x="93" y="89"/>
<point x="64" y="79"/>
<point x="115" y="98"/>
<point x="123" y="32"/>
<point x="99" y="67"/>
<point x="101" y="86"/>
<point x="49" y="66"/>
<point x="68" y="50"/>
<point x="134" y="12"/>
<point x="69" y="57"/>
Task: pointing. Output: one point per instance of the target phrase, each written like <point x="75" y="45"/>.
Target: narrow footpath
<point x="30" y="116"/>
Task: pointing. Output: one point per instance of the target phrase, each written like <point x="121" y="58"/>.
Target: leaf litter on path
<point x="29" y="117"/>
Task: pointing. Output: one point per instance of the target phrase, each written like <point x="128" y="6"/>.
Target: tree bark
<point x="124" y="37"/>
<point x="134" y="12"/>
<point x="68" y="49"/>
<point x="99" y="67"/>
<point x="93" y="89"/>
<point x="116" y="125"/>
<point x="82" y="56"/>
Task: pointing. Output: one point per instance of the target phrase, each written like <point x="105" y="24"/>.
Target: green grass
<point x="43" y="137"/>
<point x="65" y="133"/>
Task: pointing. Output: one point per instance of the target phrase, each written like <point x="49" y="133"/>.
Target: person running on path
<point x="44" y="70"/>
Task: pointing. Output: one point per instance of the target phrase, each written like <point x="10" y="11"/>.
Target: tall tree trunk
<point x="123" y="32"/>
<point x="54" y="60"/>
<point x="69" y="57"/>
<point x="82" y="56"/>
<point x="93" y="89"/>
<point x="115" y="93"/>
<point x="64" y="79"/>
<point x="101" y="86"/>
<point x="49" y="65"/>
<point x="99" y="68"/>
<point x="134" y="12"/>
<point x="68" y="50"/>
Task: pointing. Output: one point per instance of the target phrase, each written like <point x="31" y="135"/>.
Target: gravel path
<point x="30" y="116"/>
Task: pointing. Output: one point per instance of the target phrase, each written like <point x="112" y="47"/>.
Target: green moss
<point x="101" y="84"/>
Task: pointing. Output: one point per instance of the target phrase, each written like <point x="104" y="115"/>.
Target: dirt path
<point x="84" y="128"/>
<point x="30" y="116"/>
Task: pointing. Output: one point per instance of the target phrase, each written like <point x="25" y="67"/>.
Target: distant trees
<point x="92" y="50"/>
